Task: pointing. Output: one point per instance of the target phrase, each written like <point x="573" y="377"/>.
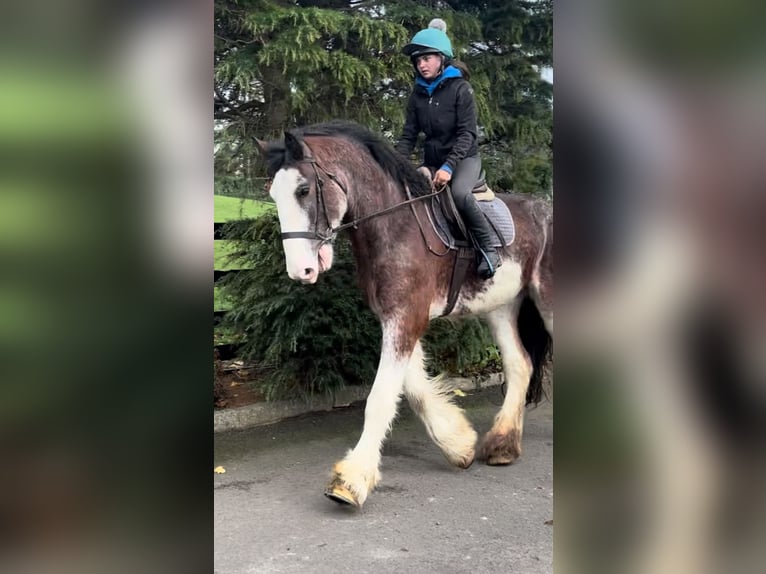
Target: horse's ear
<point x="293" y="146"/>
<point x="261" y="146"/>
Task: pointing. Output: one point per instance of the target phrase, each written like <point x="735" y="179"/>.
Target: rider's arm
<point x="411" y="130"/>
<point x="466" y="127"/>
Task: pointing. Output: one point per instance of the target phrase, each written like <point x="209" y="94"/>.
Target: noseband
<point x="331" y="232"/>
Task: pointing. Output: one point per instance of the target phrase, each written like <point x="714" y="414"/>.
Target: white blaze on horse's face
<point x="304" y="261"/>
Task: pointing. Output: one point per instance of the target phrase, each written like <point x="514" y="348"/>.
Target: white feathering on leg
<point x="445" y="421"/>
<point x="359" y="471"/>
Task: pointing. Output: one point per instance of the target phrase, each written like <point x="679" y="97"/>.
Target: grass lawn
<point x="231" y="208"/>
<point x="221" y="249"/>
<point x="228" y="209"/>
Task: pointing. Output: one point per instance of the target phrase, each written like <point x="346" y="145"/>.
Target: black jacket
<point x="448" y="120"/>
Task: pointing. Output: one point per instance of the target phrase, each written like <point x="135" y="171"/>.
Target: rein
<point x="332" y="232"/>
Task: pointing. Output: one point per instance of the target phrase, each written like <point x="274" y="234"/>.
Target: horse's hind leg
<point x="502" y="444"/>
<point x="445" y="422"/>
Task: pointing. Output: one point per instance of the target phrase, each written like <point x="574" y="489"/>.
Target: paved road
<point x="425" y="516"/>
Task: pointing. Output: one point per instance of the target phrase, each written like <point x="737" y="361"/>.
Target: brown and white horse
<point x="331" y="177"/>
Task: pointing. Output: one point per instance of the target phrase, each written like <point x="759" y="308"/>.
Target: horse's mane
<point x="392" y="163"/>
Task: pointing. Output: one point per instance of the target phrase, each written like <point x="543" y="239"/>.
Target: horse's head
<point x="310" y="203"/>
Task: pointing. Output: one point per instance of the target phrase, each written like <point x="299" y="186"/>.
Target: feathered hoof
<point x="501" y="460"/>
<point x="500" y="449"/>
<point x="337" y="492"/>
<point x="465" y="461"/>
<point x="350" y="483"/>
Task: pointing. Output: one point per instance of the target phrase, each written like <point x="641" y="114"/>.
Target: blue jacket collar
<point x="449" y="72"/>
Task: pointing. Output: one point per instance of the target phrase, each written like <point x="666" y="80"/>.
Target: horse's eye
<point x="302" y="191"/>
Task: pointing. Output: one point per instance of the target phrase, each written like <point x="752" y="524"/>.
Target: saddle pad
<point x="498" y="214"/>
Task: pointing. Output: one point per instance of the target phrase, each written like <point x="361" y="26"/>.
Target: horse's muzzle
<point x="307" y="269"/>
<point x="309" y="276"/>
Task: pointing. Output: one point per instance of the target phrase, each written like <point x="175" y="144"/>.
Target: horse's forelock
<point x="276" y="157"/>
<point x="281" y="153"/>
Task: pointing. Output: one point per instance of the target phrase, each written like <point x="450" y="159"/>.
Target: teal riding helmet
<point x="429" y="41"/>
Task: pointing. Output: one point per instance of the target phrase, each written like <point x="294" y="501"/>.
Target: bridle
<point x="331" y="232"/>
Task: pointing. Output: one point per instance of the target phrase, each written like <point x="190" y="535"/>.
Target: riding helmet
<point x="432" y="40"/>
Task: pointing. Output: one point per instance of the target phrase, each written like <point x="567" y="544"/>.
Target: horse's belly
<point x="501" y="290"/>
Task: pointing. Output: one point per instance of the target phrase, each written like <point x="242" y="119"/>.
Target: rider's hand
<point x="441" y="178"/>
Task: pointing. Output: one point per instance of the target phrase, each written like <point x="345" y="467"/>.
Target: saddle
<point x="453" y="233"/>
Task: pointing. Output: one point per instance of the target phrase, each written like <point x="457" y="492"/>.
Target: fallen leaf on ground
<point x="219" y="470"/>
<point x="459" y="393"/>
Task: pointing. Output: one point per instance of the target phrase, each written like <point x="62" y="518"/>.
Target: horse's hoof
<point x="500" y="460"/>
<point x="342" y="495"/>
<point x="466" y="462"/>
<point x="501" y="449"/>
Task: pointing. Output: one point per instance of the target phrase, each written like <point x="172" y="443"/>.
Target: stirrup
<point x="487" y="268"/>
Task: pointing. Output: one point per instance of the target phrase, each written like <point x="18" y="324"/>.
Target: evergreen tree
<point x="514" y="46"/>
<point x="284" y="63"/>
<point x="313" y="339"/>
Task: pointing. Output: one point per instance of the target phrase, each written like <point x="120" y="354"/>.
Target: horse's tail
<point x="535" y="335"/>
<point x="539" y="345"/>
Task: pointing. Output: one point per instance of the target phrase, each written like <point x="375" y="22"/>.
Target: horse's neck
<point x="384" y="235"/>
<point x="368" y="191"/>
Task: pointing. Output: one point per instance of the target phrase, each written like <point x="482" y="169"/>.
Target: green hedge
<point x="319" y="338"/>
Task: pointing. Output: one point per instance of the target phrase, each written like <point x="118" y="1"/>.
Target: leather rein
<point x="331" y="232"/>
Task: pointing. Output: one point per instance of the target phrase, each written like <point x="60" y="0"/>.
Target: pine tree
<point x="284" y="63"/>
<point x="313" y="339"/>
<point x="515" y="44"/>
<point x="280" y="64"/>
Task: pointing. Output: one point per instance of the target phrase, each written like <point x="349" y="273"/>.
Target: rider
<point x="442" y="106"/>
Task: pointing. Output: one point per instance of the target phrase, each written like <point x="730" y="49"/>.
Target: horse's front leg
<point x="354" y="477"/>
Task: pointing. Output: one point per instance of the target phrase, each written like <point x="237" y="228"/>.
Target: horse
<point x="339" y="176"/>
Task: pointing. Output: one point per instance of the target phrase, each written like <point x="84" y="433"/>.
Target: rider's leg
<point x="464" y="177"/>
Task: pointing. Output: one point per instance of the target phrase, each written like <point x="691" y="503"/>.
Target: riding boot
<point x="478" y="226"/>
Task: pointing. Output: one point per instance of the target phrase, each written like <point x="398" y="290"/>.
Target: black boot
<point x="478" y="226"/>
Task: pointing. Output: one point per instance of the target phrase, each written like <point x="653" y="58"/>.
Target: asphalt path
<point x="425" y="516"/>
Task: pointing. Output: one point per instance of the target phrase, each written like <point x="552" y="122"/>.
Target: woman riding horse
<point x="442" y="106"/>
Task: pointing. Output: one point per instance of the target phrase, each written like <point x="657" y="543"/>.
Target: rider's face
<point x="428" y="65"/>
